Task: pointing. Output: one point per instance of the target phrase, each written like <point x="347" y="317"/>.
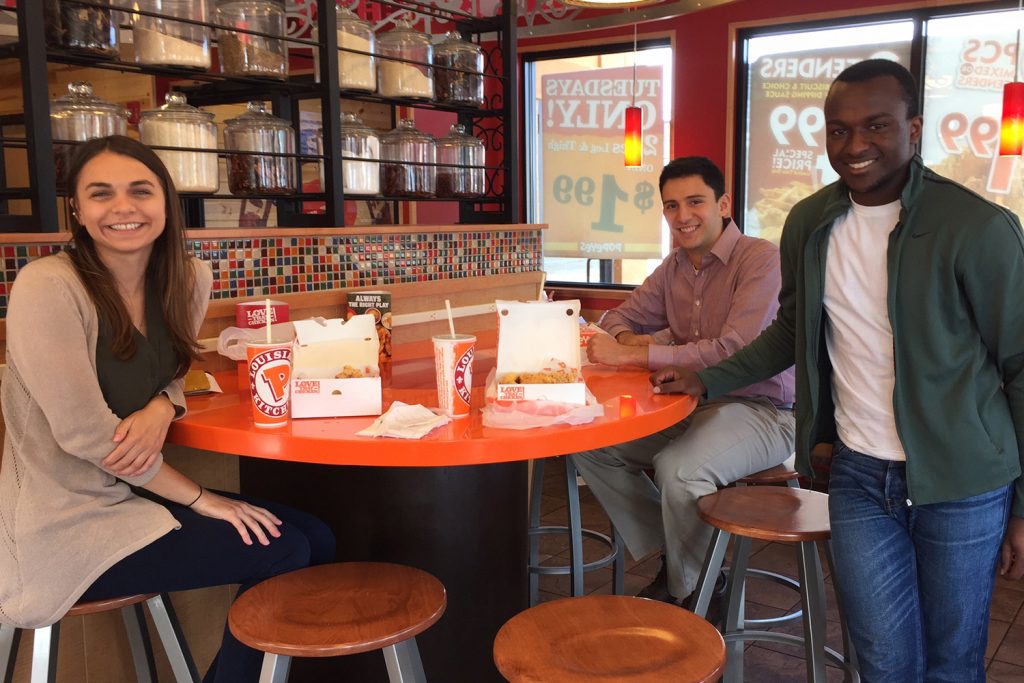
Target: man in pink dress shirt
<point x="710" y="297"/>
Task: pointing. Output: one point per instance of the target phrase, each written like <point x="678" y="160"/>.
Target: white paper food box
<point x="539" y="336"/>
<point x="322" y="351"/>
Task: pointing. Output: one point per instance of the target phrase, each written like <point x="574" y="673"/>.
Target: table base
<point x="466" y="525"/>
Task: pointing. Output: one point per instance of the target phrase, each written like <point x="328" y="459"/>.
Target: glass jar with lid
<point x="165" y="42"/>
<point x="399" y="78"/>
<point x="460" y="159"/>
<point x="458" y="78"/>
<point x="408" y="157"/>
<point x="80" y="116"/>
<point x="359" y="141"/>
<point x="81" y="28"/>
<point x="244" y="54"/>
<point x="355" y="71"/>
<point x="179" y="124"/>
<point x="258" y="131"/>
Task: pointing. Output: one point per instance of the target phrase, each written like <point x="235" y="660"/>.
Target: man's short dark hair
<point x="873" y="68"/>
<point x="684" y="167"/>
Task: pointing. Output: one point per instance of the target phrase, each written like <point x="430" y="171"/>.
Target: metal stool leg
<point x="712" y="565"/>
<point x="813" y="598"/>
<point x="9" y="639"/>
<point x="404" y="665"/>
<point x="575" y="528"/>
<point x="851" y="674"/>
<point x="138" y="642"/>
<point x="735" y="593"/>
<point x="275" y="668"/>
<point x="173" y="641"/>
<point x="536" y="488"/>
<point x="618" y="564"/>
<point x="44" y="654"/>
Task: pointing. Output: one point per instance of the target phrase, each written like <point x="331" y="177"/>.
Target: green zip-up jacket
<point x="956" y="306"/>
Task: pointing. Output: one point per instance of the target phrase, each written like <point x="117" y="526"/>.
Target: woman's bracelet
<point x="198" y="496"/>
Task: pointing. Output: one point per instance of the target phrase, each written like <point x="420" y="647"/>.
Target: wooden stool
<point x="339" y="609"/>
<point x="780" y="474"/>
<point x="576" y="567"/>
<point x="608" y="638"/>
<point x="771" y="513"/>
<point x="783" y="474"/>
<point x="45" y="640"/>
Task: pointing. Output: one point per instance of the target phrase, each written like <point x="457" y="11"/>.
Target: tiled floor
<point x="763" y="662"/>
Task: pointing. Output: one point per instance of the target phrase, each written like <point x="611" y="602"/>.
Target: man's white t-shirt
<point x="858" y="333"/>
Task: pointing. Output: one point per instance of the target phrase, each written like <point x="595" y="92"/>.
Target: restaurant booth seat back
<point x="45" y="640"/>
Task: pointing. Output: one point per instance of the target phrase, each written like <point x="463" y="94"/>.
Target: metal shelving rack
<point x="496" y="123"/>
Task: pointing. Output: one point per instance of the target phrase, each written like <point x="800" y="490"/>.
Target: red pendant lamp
<point x="633" y="149"/>
<point x="1011" y="128"/>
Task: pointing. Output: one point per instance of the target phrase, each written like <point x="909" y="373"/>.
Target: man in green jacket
<point x="901" y="307"/>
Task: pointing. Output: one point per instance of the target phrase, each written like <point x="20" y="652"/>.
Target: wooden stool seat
<point x="608" y="638"/>
<point x="45" y="639"/>
<point x="768" y="513"/>
<point x="108" y="605"/>
<point x="780" y="474"/>
<point x="337" y="609"/>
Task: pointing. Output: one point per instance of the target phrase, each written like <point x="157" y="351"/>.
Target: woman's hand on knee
<point x="244" y="517"/>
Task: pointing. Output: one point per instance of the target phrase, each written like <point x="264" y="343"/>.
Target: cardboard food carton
<point x="538" y="350"/>
<point x="377" y="304"/>
<point x="334" y="368"/>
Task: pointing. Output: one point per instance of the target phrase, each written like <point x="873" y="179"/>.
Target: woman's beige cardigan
<point x="64" y="520"/>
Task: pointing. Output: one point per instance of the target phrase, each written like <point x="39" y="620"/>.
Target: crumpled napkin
<point x="404" y="421"/>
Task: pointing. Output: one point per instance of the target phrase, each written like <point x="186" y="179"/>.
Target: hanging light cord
<point x="634" y="57"/>
<point x="1016" y="53"/>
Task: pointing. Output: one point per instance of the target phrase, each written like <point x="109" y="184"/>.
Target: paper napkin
<point x="403" y="421"/>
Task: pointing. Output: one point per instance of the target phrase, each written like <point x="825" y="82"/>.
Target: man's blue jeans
<point x="916" y="580"/>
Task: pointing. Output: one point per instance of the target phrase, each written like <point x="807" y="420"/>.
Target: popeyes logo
<point x="464" y="376"/>
<point x="269" y="374"/>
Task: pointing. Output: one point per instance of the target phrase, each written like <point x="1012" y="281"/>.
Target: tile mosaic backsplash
<point x="287" y="265"/>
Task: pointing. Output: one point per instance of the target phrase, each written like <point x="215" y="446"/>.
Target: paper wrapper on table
<point x="377" y="304"/>
<point x="532" y="414"/>
<point x="403" y="421"/>
<point x="539" y="339"/>
<point x="334" y="368"/>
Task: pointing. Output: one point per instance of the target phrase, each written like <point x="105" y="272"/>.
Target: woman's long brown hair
<point x="168" y="273"/>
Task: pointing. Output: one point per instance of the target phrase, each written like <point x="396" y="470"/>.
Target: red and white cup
<point x="453" y="365"/>
<point x="270" y="379"/>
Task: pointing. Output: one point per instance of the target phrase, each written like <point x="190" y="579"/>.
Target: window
<point x="787" y="76"/>
<point x="604" y="219"/>
<point x="967" y="57"/>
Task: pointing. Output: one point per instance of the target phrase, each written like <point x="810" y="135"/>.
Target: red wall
<point x="702" y="62"/>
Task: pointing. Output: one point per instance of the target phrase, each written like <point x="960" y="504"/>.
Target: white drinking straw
<point x="543" y="280"/>
<point x="267" y="304"/>
<point x="451" y="322"/>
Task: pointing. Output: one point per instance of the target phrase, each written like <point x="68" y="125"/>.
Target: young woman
<point x="98" y="340"/>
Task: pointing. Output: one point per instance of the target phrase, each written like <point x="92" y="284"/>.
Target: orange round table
<point x="453" y="503"/>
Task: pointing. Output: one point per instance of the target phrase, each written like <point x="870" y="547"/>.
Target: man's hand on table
<point x="673" y="379"/>
<point x="602" y="348"/>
